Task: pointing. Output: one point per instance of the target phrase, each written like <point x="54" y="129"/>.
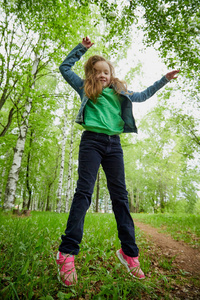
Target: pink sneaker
<point x="131" y="263"/>
<point x="66" y="269"/>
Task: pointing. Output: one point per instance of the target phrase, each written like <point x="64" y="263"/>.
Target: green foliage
<point x="176" y="26"/>
<point x="197" y="207"/>
<point x="163" y="179"/>
<point x="46" y="30"/>
<point x="58" y="19"/>
<point x="165" y="176"/>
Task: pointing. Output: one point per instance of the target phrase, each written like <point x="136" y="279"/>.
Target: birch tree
<point x="172" y="27"/>
<point x="15" y="58"/>
<point x="97" y="192"/>
<point x="49" y="186"/>
<point x="60" y="183"/>
<point x="70" y="166"/>
<point x="28" y="171"/>
<point x="19" y="149"/>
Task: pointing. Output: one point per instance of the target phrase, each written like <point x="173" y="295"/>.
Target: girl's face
<point x="103" y="73"/>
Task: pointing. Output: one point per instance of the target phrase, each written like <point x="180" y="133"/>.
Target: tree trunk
<point x="24" y="199"/>
<point x="48" y="208"/>
<point x="131" y="195"/>
<point x="6" y="127"/>
<point x="19" y="149"/>
<point x="106" y="200"/>
<point x="162" y="198"/>
<point x="28" y="173"/>
<point x="137" y="200"/>
<point x="59" y="195"/>
<point x="69" y="181"/>
<point x="97" y="192"/>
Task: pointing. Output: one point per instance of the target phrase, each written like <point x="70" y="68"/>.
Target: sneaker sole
<point x="58" y="276"/>
<point x="124" y="262"/>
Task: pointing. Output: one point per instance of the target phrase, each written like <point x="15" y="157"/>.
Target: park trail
<point x="186" y="258"/>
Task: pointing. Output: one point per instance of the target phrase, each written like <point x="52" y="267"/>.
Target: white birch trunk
<point x="69" y="181"/>
<point x="137" y="200"/>
<point x="19" y="150"/>
<point x="105" y="203"/>
<point x="59" y="192"/>
<point x="36" y="203"/>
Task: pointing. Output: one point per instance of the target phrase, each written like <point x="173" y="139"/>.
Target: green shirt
<point x="104" y="116"/>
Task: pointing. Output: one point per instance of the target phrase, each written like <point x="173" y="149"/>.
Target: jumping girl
<point x="105" y="113"/>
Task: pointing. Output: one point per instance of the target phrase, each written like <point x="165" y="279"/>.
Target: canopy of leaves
<point x="47" y="30"/>
<point x="174" y="28"/>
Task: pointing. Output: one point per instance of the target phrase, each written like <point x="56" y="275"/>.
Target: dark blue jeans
<point x="96" y="149"/>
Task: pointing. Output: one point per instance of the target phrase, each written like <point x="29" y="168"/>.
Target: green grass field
<point x="28" y="267"/>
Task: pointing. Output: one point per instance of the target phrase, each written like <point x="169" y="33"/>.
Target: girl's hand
<point x="171" y="75"/>
<point x="87" y="43"/>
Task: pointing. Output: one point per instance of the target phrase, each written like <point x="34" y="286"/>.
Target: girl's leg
<point x="113" y="166"/>
<point x="89" y="162"/>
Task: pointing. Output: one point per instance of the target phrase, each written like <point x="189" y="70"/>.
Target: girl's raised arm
<point x="86" y="42"/>
<point x="172" y="75"/>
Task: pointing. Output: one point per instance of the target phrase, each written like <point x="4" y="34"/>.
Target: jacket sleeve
<point x="65" y="68"/>
<point x="149" y="92"/>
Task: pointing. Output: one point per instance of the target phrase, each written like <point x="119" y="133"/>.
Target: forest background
<point x="38" y="136"/>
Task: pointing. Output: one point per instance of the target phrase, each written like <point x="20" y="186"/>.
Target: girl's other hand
<point x="171" y="75"/>
<point x="87" y="43"/>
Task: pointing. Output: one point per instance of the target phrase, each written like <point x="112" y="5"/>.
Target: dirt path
<point x="187" y="258"/>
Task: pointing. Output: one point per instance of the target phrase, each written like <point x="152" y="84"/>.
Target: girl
<point x="105" y="113"/>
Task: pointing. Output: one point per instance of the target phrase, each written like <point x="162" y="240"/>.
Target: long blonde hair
<point x="93" y="87"/>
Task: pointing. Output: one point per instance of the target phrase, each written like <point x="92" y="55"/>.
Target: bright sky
<point x="152" y="70"/>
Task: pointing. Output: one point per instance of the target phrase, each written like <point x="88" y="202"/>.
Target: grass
<point x="28" y="268"/>
<point x="183" y="227"/>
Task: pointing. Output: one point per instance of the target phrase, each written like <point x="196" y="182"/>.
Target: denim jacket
<point x="78" y="85"/>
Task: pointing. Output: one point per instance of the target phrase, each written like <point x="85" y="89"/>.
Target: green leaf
<point x="25" y="268"/>
<point x="48" y="297"/>
<point x="63" y="296"/>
